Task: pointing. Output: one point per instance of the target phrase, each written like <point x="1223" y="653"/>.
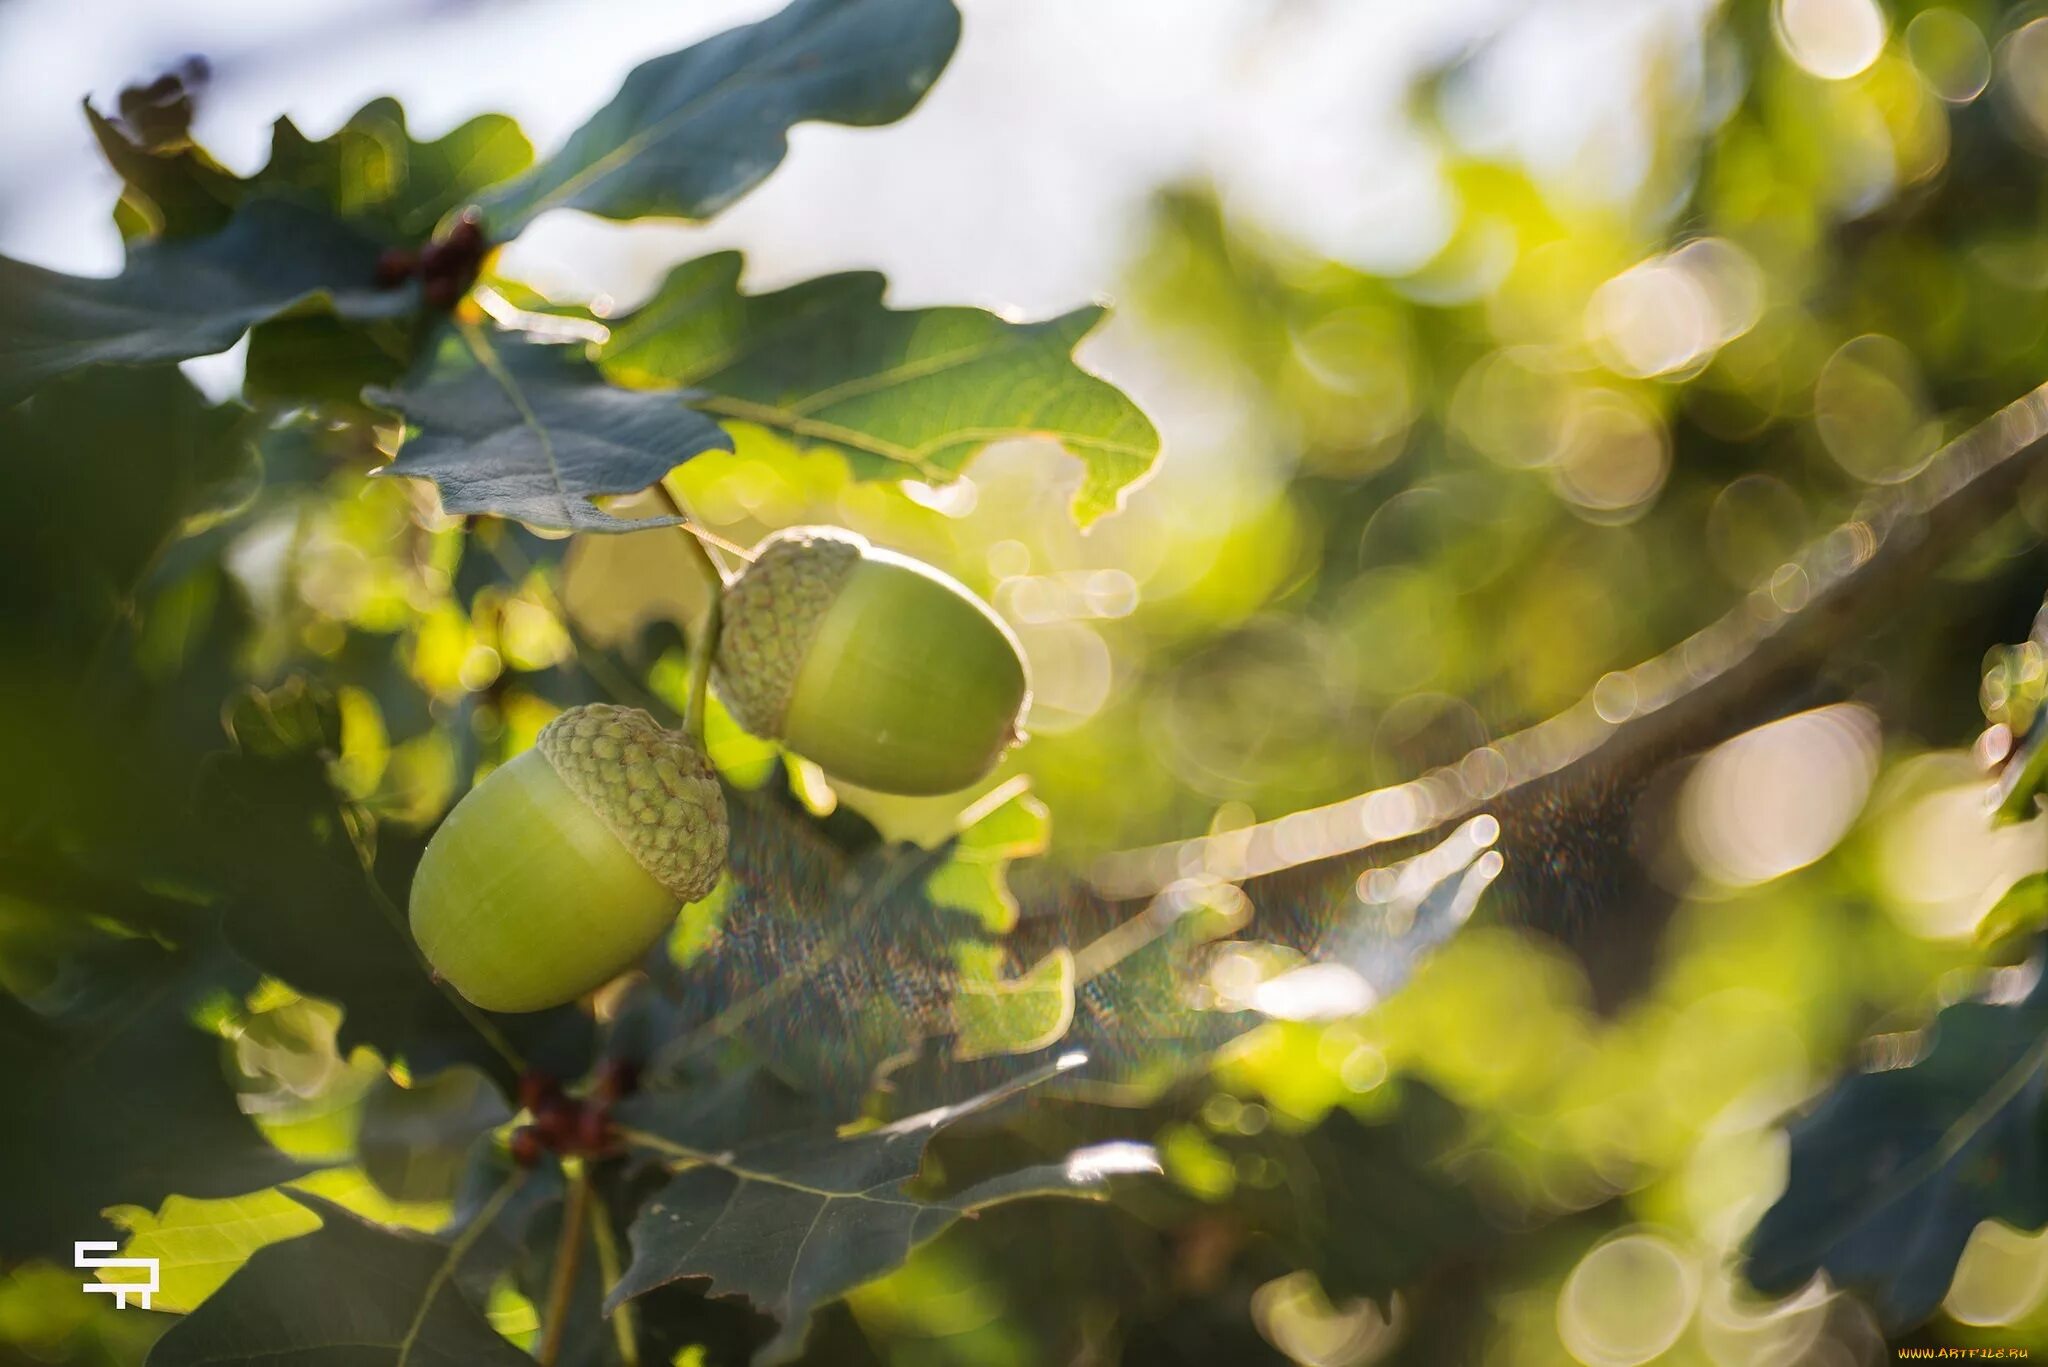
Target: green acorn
<point x="880" y="669"/>
<point x="562" y="867"/>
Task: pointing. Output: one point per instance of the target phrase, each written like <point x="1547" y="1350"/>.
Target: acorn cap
<point x="650" y="786"/>
<point x="772" y="613"/>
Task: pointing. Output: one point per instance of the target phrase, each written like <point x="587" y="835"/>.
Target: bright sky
<point x="1019" y="184"/>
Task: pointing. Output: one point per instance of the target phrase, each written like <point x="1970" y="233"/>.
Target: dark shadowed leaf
<point x="533" y="432"/>
<point x="186" y="297"/>
<point x="115" y="1095"/>
<point x="351" y="1294"/>
<point x="177" y="191"/>
<point x="1383" y="1213"/>
<point x="371" y="172"/>
<point x="721" y="1109"/>
<point x="692" y="131"/>
<point x="305" y="358"/>
<point x="415" y="1140"/>
<point x="795" y="1221"/>
<point x="103" y="512"/>
<point x="905" y="394"/>
<point x="1892" y="1170"/>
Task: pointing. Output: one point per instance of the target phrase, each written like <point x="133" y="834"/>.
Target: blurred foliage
<point x="1401" y="516"/>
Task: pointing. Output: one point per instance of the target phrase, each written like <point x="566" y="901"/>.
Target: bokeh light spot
<point x="1832" y="39"/>
<point x="1779" y="797"/>
<point x="1949" y="51"/>
<point x="1614" y="457"/>
<point x="1871" y="410"/>
<point x="1673" y="311"/>
<point x="1296" y="1317"/>
<point x="2003" y="1275"/>
<point x="1940" y="859"/>
<point x="2023" y="72"/>
<point x="1627" y="1301"/>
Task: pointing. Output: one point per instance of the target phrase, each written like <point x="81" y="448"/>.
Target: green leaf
<point x="1892" y="1171"/>
<point x="533" y="432"/>
<point x="115" y="1095"/>
<point x="198" y="1245"/>
<point x="414" y="1140"/>
<point x="186" y="297"/>
<point x="371" y="175"/>
<point x="798" y="1220"/>
<point x="690" y="132"/>
<point x="372" y="172"/>
<point x="1006" y="825"/>
<point x="904" y="394"/>
<point x="2021" y="911"/>
<point x="2016" y="793"/>
<point x="1005" y="1015"/>
<point x="350" y="1295"/>
<point x="179" y="191"/>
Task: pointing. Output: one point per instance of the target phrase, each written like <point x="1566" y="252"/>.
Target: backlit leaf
<point x="348" y="1295"/>
<point x="903" y="394"/>
<point x="116" y="1094"/>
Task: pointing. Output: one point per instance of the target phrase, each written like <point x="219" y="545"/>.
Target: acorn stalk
<point x="879" y="668"/>
<point x="565" y="865"/>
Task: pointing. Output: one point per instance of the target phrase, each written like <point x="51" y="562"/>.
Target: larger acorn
<point x="879" y="668"/>
<point x="565" y="865"/>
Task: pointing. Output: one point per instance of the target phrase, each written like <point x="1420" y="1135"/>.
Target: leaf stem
<point x="606" y="1243"/>
<point x="704" y="641"/>
<point x="667" y="1148"/>
<point x="562" y="1282"/>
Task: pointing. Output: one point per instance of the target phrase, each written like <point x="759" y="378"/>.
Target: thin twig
<point x="704" y="642"/>
<point x="667" y="1148"/>
<point x="1695" y="694"/>
<point x="562" y="1282"/>
<point x="606" y="1242"/>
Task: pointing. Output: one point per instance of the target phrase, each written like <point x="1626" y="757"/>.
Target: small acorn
<point x="559" y="870"/>
<point x="877" y="667"/>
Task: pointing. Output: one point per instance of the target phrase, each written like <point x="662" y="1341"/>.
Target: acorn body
<point x="881" y="670"/>
<point x="563" y="866"/>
